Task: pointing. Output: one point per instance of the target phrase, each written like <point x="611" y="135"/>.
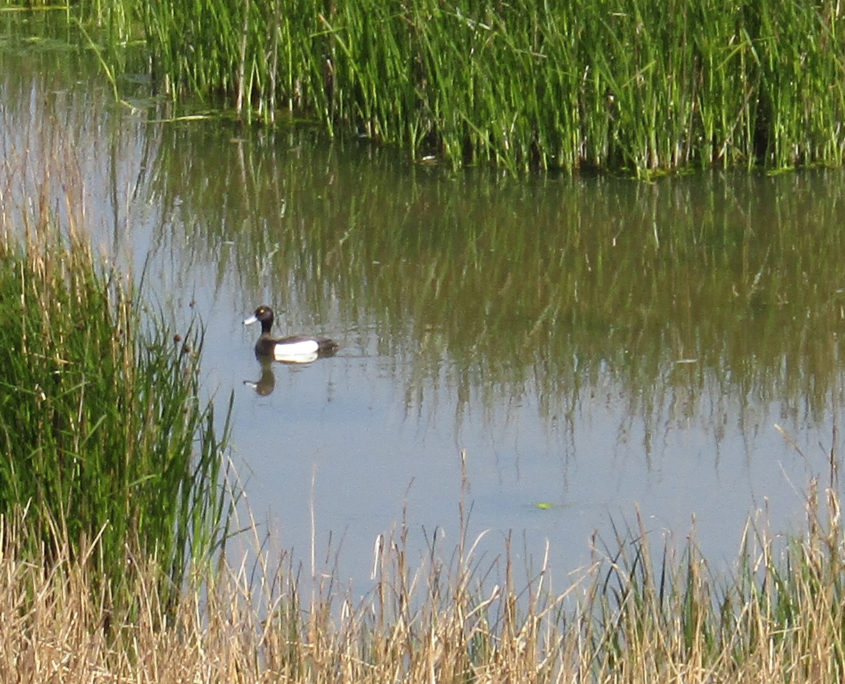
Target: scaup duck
<point x="294" y="349"/>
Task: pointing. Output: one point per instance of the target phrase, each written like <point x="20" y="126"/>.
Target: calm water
<point x="593" y="345"/>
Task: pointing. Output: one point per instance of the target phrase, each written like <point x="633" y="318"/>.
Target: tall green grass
<point x="103" y="434"/>
<point x="635" y="85"/>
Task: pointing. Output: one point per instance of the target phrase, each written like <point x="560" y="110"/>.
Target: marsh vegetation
<point x="638" y="87"/>
<point x="636" y="613"/>
<point x="106" y="442"/>
<point x="116" y="555"/>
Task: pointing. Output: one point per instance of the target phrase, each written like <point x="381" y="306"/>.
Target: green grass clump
<point x="636" y="85"/>
<point x="102" y="432"/>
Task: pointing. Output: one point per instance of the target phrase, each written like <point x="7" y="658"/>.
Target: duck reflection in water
<point x="296" y="349"/>
<point x="267" y="382"/>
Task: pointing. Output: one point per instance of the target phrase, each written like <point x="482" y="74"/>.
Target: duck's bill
<point x="249" y="321"/>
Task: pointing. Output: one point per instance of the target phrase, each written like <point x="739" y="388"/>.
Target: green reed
<point x="641" y="86"/>
<point x="637" y="86"/>
<point x="102" y="431"/>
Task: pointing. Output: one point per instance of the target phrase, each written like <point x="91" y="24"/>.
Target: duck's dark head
<point x="264" y="314"/>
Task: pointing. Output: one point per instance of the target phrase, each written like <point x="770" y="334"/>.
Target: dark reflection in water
<point x="709" y="287"/>
<point x="593" y="343"/>
<point x="266" y="382"/>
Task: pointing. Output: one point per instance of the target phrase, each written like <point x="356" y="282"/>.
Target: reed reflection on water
<point x="712" y="287"/>
<point x="591" y="342"/>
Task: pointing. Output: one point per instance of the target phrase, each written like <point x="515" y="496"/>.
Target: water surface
<point x="592" y="345"/>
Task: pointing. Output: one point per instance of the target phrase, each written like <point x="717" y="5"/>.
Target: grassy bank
<point x="104" y="441"/>
<point x="636" y="86"/>
<point x="627" y="618"/>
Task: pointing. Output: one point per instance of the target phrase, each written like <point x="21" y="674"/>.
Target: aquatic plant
<point x="640" y="87"/>
<point x="103" y="434"/>
<point x="565" y="84"/>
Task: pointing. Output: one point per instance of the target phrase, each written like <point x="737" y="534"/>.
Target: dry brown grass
<point x="778" y="619"/>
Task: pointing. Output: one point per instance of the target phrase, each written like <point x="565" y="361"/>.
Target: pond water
<point x="592" y="345"/>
